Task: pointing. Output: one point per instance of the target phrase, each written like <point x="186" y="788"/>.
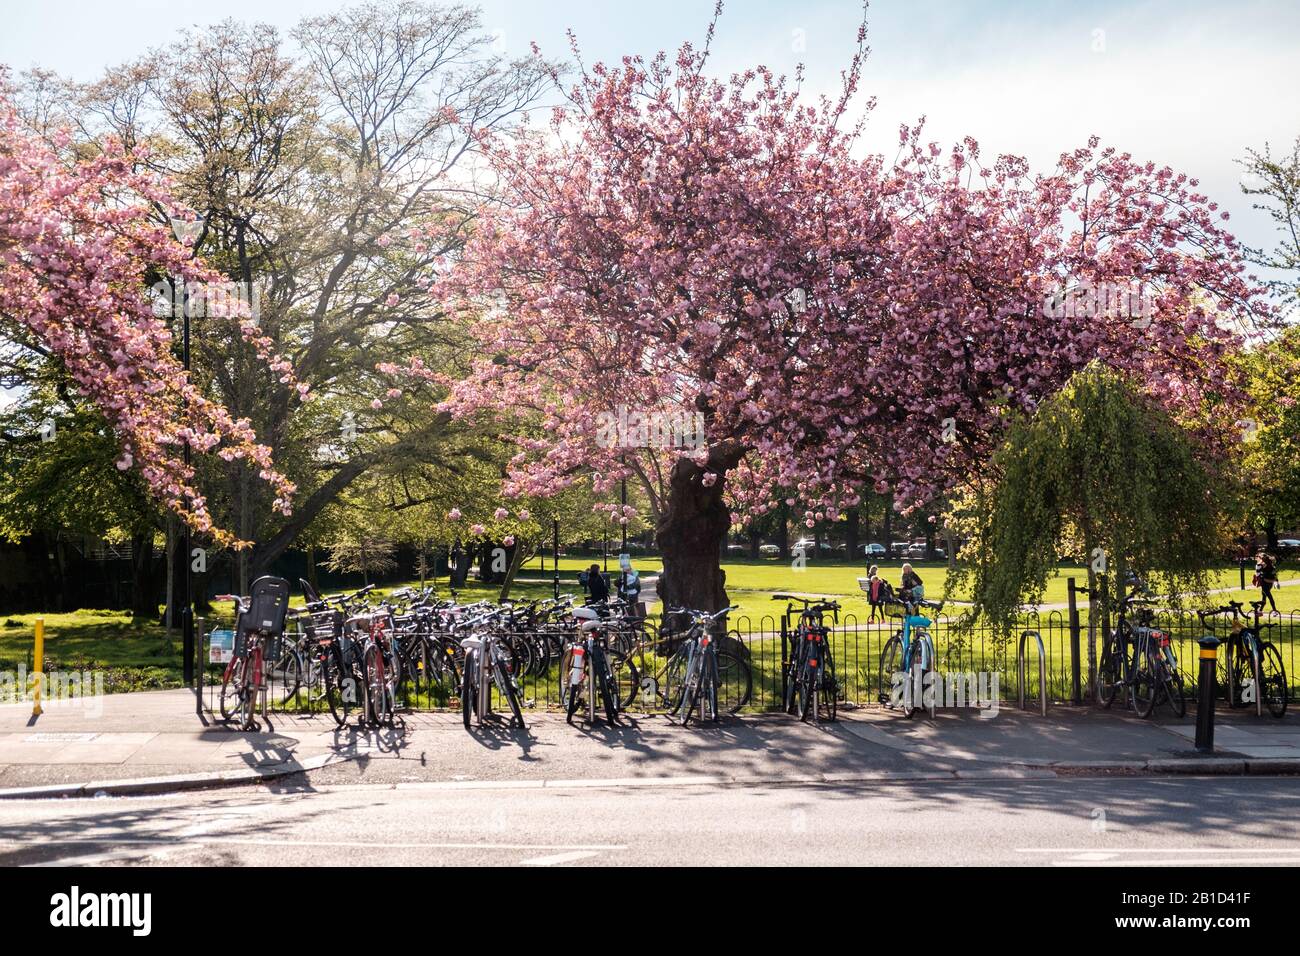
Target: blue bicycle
<point x="907" y="660"/>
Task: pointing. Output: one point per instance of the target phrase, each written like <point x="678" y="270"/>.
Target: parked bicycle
<point x="587" y="670"/>
<point x="907" y="660"/>
<point x="1139" y="658"/>
<point x="1255" y="672"/>
<point x="487" y="664"/>
<point x="259" y="620"/>
<point x="697" y="659"/>
<point x="811" y="689"/>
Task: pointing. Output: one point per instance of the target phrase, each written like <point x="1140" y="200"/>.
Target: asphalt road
<point x="1082" y="821"/>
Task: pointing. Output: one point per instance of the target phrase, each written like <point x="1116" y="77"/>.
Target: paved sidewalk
<point x="1075" y="736"/>
<point x="157" y="740"/>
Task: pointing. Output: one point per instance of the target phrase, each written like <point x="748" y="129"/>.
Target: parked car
<point x="917" y="552"/>
<point x="874" y="551"/>
<point x="1288" y="544"/>
<point x="803" y="548"/>
<point x="737" y="549"/>
<point x="769" y="550"/>
<point x="896" y="548"/>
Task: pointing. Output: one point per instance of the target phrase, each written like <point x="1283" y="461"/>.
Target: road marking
<point x="1192" y="861"/>
<point x="1160" y="849"/>
<point x="558" y="858"/>
<point x="347" y="844"/>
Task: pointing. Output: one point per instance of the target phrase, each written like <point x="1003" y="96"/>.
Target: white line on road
<point x="1190" y="861"/>
<point x="558" y="858"/>
<point x="368" y="845"/>
<point x="1160" y="849"/>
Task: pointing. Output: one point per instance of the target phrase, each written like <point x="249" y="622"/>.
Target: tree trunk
<point x="1270" y="529"/>
<point x="691" y="531"/>
<point x="851" y="534"/>
<point x="783" y="531"/>
<point x="169" y="605"/>
<point x="516" y="559"/>
<point x="889" y="526"/>
<point x="143" y="603"/>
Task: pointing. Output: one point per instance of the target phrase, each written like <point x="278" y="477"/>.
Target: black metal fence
<point x="985" y="657"/>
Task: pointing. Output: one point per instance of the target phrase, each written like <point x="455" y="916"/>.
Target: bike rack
<point x="1042" y="671"/>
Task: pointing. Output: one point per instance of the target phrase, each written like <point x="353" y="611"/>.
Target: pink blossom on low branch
<point x="77" y="241"/>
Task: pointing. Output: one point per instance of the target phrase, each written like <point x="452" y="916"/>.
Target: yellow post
<point x="38" y="663"/>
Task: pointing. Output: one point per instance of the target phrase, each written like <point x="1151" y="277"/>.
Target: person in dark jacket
<point x="598" y="585"/>
<point x="911" y="583"/>
<point x="1266" y="577"/>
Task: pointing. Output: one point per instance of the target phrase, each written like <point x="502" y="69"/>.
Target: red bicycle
<point x="259" y="619"/>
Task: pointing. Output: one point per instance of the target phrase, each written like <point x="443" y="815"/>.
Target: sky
<point x="1191" y="84"/>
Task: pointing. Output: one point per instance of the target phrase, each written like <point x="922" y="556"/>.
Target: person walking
<point x="1266" y="577"/>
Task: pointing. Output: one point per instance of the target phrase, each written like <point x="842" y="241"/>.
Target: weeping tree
<point x="1103" y="470"/>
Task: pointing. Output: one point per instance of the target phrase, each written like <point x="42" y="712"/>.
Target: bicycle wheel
<point x="627" y="680"/>
<point x="889" y="686"/>
<point x="793" y="667"/>
<point x="827" y="692"/>
<point x="1273" y="679"/>
<point x="607" y="687"/>
<point x="229" y="699"/>
<point x="248" y="692"/>
<point x="340" y="688"/>
<point x="690" y="692"/>
<point x="1109" y="672"/>
<point x="510" y="691"/>
<point x="1143" y="683"/>
<point x="1174" y="691"/>
<point x="806" y="690"/>
<point x="291" y="673"/>
<point x="379" y="709"/>
<point x="736" y="679"/>
<point x="1245" y="683"/>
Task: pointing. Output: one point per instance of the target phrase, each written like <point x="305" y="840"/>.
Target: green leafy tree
<point x="1101" y="471"/>
<point x="1274" y="182"/>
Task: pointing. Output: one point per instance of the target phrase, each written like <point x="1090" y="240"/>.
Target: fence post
<point x="1076" y="682"/>
<point x="198" y="665"/>
<point x="784" y="620"/>
<point x="555" y="554"/>
<point x="1241" y="566"/>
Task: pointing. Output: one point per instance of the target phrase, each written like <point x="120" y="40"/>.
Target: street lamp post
<point x="188" y="232"/>
<point x="187" y="610"/>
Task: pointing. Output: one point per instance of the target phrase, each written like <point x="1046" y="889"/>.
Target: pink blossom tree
<point x="79" y="243"/>
<point x="719" y="248"/>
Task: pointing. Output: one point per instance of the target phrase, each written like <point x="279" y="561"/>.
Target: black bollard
<point x="1205" y="694"/>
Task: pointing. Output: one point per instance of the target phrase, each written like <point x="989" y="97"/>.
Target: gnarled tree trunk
<point x="691" y="531"/>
